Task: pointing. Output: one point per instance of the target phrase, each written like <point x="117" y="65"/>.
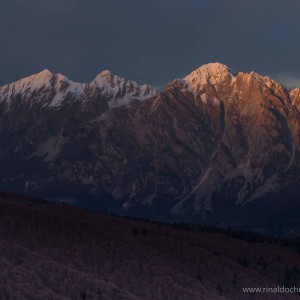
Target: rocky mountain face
<point x="216" y="146"/>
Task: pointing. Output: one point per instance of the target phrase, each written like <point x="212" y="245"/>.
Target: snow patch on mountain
<point x="26" y="86"/>
<point x="208" y="74"/>
<point x="65" y="87"/>
<point x="55" y="88"/>
<point x="121" y="91"/>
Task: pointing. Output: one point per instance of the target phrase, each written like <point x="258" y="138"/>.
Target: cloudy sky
<point x="149" y="41"/>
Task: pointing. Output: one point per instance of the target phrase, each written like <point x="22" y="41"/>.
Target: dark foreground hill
<point x="52" y="251"/>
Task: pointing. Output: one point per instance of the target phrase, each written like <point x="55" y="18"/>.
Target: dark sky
<point x="151" y="41"/>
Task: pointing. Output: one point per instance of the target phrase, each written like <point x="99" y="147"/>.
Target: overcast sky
<point x="151" y="41"/>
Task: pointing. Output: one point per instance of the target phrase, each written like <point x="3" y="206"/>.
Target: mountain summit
<point x="216" y="146"/>
<point x="211" y="72"/>
<point x="54" y="89"/>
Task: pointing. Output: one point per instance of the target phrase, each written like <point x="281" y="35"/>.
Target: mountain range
<point x="216" y="146"/>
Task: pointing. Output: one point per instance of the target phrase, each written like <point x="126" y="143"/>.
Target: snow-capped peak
<point x="106" y="80"/>
<point x="53" y="89"/>
<point x="45" y="74"/>
<point x="28" y="85"/>
<point x="209" y="73"/>
<point x="105" y="73"/>
<point x="120" y="90"/>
